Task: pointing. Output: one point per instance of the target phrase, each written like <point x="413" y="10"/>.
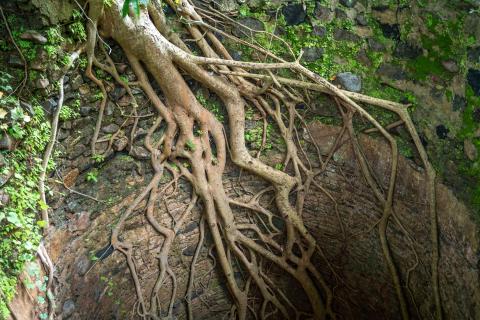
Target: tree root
<point x="194" y="148"/>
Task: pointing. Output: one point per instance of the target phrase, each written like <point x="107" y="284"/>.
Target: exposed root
<point x="195" y="148"/>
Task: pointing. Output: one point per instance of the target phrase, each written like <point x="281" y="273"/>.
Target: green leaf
<point x="125" y="8"/>
<point x="136" y="7"/>
<point x="41" y="223"/>
<point x="13" y="219"/>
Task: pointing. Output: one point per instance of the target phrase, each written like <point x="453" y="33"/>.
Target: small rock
<point x="470" y="150"/>
<point x="85" y="110"/>
<point x="392" y="72"/>
<point x="236" y="55"/>
<point x="84" y="89"/>
<point x="27" y="107"/>
<point x="294" y="14"/>
<point x="340" y="14"/>
<point x="473" y="55"/>
<point x="322" y="13"/>
<point x="118" y="93"/>
<point x="189" y="227"/>
<point x="111" y="128"/>
<point x="15" y="61"/>
<point x="120" y="144"/>
<point x="311" y="54"/>
<point x="190" y="250"/>
<point x="459" y="103"/>
<point x="348" y="3"/>
<point x="363" y="58"/>
<point x="41" y="83"/>
<point x="450" y="66"/>
<point x="250" y="23"/>
<point x="76" y="151"/>
<point x="82" y="265"/>
<point x="319" y="31"/>
<point x="70" y="177"/>
<point x="33" y="36"/>
<point x="7" y="142"/>
<point x="77" y="81"/>
<point x="38" y="66"/>
<point x="140" y="153"/>
<point x="391" y="31"/>
<point x="442" y="131"/>
<point x="4" y="198"/>
<point x="67" y="125"/>
<point x="226" y="5"/>
<point x="81" y="222"/>
<point x="473" y="78"/>
<point x="405" y="50"/>
<point x="62" y="134"/>
<point x="361" y="20"/>
<point x="345" y="35"/>
<point x="68" y="308"/>
<point x="109" y="108"/>
<point x="349" y="81"/>
<point x="374" y="45"/>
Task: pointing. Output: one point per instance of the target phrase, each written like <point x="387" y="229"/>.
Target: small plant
<point x="190" y="145"/>
<point x="98" y="96"/>
<point x="67" y="113"/>
<point x="92" y="176"/>
<point x="98" y="158"/>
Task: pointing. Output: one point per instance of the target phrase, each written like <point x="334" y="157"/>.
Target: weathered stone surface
<point x="375" y="45"/>
<point x="226" y="5"/>
<point x="311" y="54"/>
<point x="451" y="66"/>
<point x="15" y="61"/>
<point x="391" y="71"/>
<point x="139" y="152"/>
<point x="345" y="35"/>
<point x="111" y="128"/>
<point x="473" y="54"/>
<point x="349" y="81"/>
<point x="323" y="13"/>
<point x="68" y="308"/>
<point x="42" y="83"/>
<point x="54" y="11"/>
<point x="250" y="23"/>
<point x="33" y="36"/>
<point x="294" y="14"/>
<point x="120" y="144"/>
<point x="6" y="142"/>
<point x="406" y="50"/>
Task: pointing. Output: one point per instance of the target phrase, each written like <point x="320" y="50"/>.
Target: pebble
<point x="68" y="308"/>
<point x="349" y="81"/>
<point x="450" y="66"/>
<point x="33" y="36"/>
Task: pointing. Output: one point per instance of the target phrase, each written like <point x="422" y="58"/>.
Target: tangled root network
<point x="189" y="143"/>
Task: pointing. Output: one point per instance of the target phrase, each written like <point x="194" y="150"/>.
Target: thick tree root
<point x="195" y="148"/>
